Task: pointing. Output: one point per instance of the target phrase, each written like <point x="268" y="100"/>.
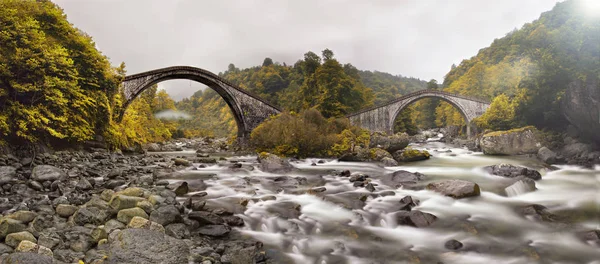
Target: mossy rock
<point x="120" y="202"/>
<point x="410" y="154"/>
<point x="15" y="239"/>
<point x="377" y="154"/>
<point x="23" y="216"/>
<point x="9" y="226"/>
<point x="125" y="215"/>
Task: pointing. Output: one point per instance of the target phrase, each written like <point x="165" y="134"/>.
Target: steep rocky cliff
<point x="581" y="107"/>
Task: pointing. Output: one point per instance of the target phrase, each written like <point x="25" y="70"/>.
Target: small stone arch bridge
<point x="248" y="110"/>
<point x="381" y="117"/>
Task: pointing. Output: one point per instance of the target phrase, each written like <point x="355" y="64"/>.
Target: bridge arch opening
<point x="406" y="113"/>
<point x="212" y="92"/>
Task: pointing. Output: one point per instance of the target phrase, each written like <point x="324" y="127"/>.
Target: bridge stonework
<point x="381" y="118"/>
<point x="247" y="109"/>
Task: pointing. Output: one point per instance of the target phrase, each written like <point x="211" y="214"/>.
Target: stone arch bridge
<point x="248" y="110"/>
<point x="381" y="117"/>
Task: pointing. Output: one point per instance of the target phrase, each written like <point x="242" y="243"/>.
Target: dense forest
<point x="314" y="81"/>
<point x="526" y="72"/>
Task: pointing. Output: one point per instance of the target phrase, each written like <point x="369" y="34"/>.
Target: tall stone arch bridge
<point x="248" y="110"/>
<point x="381" y="117"/>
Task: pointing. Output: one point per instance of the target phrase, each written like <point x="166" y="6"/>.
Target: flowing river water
<point x="347" y="224"/>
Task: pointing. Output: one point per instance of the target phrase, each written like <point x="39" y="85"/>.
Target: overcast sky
<point x="418" y="38"/>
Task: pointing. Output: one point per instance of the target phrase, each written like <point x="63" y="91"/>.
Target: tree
<point x="54" y="84"/>
<point x="267" y="62"/>
<point x="499" y="116"/>
<point x="327" y="54"/>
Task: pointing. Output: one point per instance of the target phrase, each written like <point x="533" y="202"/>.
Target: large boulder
<point x="377" y="154"/>
<point x="575" y="150"/>
<point x="410" y="154"/>
<point x="512" y="171"/>
<point x="391" y="143"/>
<point x="581" y="107"/>
<point x="273" y="164"/>
<point x="546" y="155"/>
<point x="153" y="147"/>
<point x="512" y="142"/>
<point x="47" y="173"/>
<point x="455" y="188"/>
<point x="27" y="257"/>
<point x="7" y="173"/>
<point x="146" y="246"/>
<point x="415" y="218"/>
<point x="401" y="178"/>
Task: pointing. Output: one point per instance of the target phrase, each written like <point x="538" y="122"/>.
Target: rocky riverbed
<point x="179" y="205"/>
<point x="101" y="207"/>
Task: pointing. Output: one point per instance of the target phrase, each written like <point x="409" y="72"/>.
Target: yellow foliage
<point x="306" y="134"/>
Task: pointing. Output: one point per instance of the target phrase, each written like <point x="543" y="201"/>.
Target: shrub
<point x="307" y="134"/>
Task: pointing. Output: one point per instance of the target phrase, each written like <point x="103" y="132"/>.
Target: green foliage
<point x="500" y="115"/>
<point x="211" y="116"/>
<point x="406" y="121"/>
<point x="333" y="92"/>
<point x="54" y="84"/>
<point x="306" y="134"/>
<point x="139" y="125"/>
<point x="534" y="64"/>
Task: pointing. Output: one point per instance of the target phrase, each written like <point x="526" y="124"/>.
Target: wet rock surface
<point x="512" y="171"/>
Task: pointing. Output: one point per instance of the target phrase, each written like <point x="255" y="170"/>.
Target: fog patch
<point x="172" y="114"/>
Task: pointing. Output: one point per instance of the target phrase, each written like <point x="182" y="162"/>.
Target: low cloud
<point x="172" y="115"/>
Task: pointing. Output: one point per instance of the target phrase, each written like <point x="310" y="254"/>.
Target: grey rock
<point x="512" y="171"/>
<point x="580" y="107"/>
<point x="206" y="218"/>
<point x="274" y="164"/>
<point x="47" y="173"/>
<point x="153" y="147"/>
<point x="27" y="257"/>
<point x="512" y="142"/>
<point x="7" y="174"/>
<point x="214" y="230"/>
<point x="5" y="249"/>
<point x="415" y="218"/>
<point x="575" y="150"/>
<point x="146" y="246"/>
<point x="177" y="230"/>
<point x="455" y="188"/>
<point x="89" y="215"/>
<point x="166" y="215"/>
<point x="453" y="244"/>
<point x="391" y="143"/>
<point x="401" y="178"/>
<point x="36" y="185"/>
<point x="389" y="162"/>
<point x="407" y="203"/>
<point x="84" y="184"/>
<point x="546" y="155"/>
<point x="68" y="256"/>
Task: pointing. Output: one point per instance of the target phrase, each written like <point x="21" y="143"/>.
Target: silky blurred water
<point x="346" y="224"/>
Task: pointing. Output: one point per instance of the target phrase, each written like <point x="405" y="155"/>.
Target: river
<point x="347" y="224"/>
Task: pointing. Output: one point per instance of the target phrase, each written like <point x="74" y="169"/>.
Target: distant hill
<point x="532" y="66"/>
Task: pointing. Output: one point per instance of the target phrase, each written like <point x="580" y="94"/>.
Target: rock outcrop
<point x="512" y="142"/>
<point x="455" y="188"/>
<point x="581" y="107"/>
<point x="391" y="143"/>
